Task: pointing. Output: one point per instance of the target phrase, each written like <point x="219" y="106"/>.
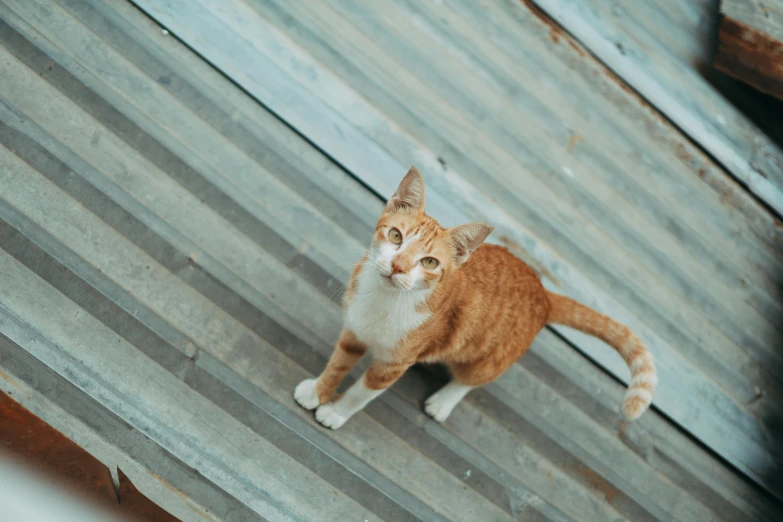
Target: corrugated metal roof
<point x="176" y="250"/>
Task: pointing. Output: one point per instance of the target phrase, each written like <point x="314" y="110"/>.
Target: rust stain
<point x="522" y="254"/>
<point x="627" y="89"/>
<point x="175" y="491"/>
<point x="572" y="141"/>
<point x="576" y="47"/>
<point x="682" y="153"/>
<point x="48" y="451"/>
<point x="137" y="505"/>
<point x="598" y="483"/>
<point x="541" y="15"/>
<point x="556" y="31"/>
<point x="7" y="378"/>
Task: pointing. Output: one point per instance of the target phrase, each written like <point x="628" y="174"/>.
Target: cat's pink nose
<point x="396" y="269"/>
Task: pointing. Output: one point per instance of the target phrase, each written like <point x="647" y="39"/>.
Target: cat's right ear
<point x="410" y="193"/>
<point x="467" y="238"/>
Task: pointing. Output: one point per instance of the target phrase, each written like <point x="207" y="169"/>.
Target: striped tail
<point x="568" y="312"/>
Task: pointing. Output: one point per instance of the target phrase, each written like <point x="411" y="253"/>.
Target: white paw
<point x="329" y="417"/>
<point x="306" y="395"/>
<point x="437" y="408"/>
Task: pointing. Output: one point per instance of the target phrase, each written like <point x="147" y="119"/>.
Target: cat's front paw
<point x="306" y="394"/>
<point x="437" y="408"/>
<point x="328" y="416"/>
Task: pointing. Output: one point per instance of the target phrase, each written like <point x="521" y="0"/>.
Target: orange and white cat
<point x="428" y="294"/>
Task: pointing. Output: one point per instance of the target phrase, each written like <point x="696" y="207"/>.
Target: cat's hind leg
<point x="442" y="402"/>
<point x="467" y="376"/>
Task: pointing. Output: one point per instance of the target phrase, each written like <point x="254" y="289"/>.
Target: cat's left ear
<point x="467" y="238"/>
<point x="410" y="193"/>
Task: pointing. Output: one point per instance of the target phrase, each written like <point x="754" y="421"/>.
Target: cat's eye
<point x="395" y="236"/>
<point x="430" y="263"/>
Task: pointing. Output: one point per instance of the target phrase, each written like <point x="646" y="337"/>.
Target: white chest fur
<point x="380" y="316"/>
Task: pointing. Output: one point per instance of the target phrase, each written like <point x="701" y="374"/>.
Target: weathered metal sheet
<point x="322" y="98"/>
<point x="681" y="93"/>
<point x="133" y="387"/>
<point x="176" y="231"/>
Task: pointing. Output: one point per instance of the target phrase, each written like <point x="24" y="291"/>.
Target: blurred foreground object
<point x="46" y="476"/>
<point x="30" y="496"/>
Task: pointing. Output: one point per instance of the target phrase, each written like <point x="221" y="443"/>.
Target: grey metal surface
<point x="172" y="255"/>
<point x="714" y="338"/>
<point x="678" y="90"/>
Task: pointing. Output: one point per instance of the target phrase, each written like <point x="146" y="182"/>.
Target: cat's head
<point x="410" y="250"/>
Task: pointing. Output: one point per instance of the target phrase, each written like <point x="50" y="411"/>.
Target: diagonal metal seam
<point x="758" y="186"/>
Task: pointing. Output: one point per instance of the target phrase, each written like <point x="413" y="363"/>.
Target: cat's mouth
<point x="389" y="282"/>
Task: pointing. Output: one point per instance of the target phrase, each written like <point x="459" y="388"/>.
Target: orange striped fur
<point x="429" y="294"/>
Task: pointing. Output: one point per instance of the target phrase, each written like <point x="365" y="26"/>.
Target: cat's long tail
<point x="644" y="378"/>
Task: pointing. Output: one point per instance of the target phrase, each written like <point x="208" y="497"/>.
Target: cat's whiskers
<point x="342" y="287"/>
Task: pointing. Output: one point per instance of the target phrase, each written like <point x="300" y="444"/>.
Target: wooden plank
<point x="654" y="27"/>
<point x="765" y="16"/>
<point x="684" y="97"/>
<point x="284" y="99"/>
<point x="750" y="44"/>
